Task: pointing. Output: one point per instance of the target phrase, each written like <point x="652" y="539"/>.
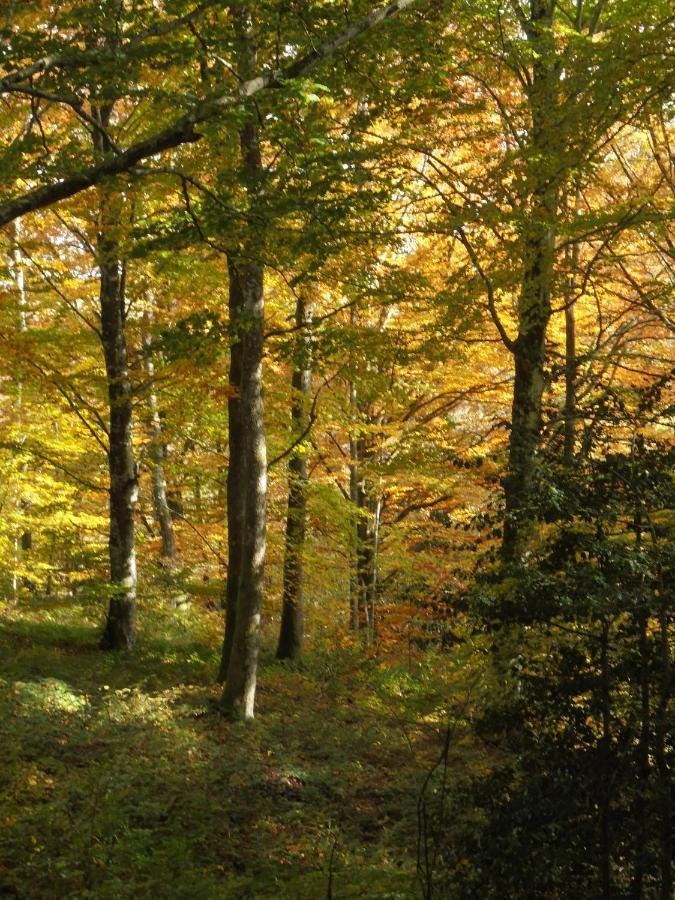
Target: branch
<point x="426" y="504"/>
<point x="17" y="447"/>
<point x="182" y="131"/>
<point x="306" y="430"/>
<point x="84" y="58"/>
<point x="492" y="306"/>
<point x="201" y="536"/>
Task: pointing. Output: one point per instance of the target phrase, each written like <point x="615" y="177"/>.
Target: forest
<point x="337" y="508"/>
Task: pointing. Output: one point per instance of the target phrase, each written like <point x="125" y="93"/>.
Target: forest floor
<point x="119" y="778"/>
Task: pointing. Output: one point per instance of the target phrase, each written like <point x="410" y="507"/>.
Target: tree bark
<point x="291" y="632"/>
<point x="235" y="469"/>
<point x="120" y="628"/>
<point x="665" y="775"/>
<point x="23" y="541"/>
<point x="239" y="693"/>
<point x="157" y="455"/>
<point x="570" y="410"/>
<point x="534" y="302"/>
<point x="354" y="603"/>
<point x="606" y="779"/>
<point x="247" y="478"/>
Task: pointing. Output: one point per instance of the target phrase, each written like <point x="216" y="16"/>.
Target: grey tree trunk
<point x="570" y="410"/>
<point x="247" y="478"/>
<point x="354" y="602"/>
<point x="534" y="303"/>
<point x="23" y="541"/>
<point x="365" y="510"/>
<point x="120" y="628"/>
<point x="235" y="473"/>
<point x="291" y="632"/>
<point x="239" y="693"/>
<point x="157" y="453"/>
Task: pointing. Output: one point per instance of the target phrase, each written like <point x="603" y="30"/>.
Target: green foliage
<point x="582" y="638"/>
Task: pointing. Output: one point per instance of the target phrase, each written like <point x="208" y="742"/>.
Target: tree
<point x="291" y="633"/>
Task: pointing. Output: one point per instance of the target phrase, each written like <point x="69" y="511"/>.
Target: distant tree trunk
<point x="239" y="693"/>
<point x="662" y="730"/>
<point x="354" y="500"/>
<point x="120" y="627"/>
<point x="23" y="542"/>
<point x="292" y="619"/>
<point x="642" y="750"/>
<point x="606" y="780"/>
<point x="366" y="515"/>
<point x="570" y="411"/>
<point x="364" y="544"/>
<point x="157" y="454"/>
<point x="374" y="580"/>
<point x="534" y="303"/>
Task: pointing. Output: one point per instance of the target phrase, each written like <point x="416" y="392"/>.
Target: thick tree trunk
<point x="120" y="627"/>
<point x="292" y="619"/>
<point x="239" y="692"/>
<point x="534" y="303"/>
<point x="157" y="455"/>
<point x="525" y="436"/>
<point x="247" y="484"/>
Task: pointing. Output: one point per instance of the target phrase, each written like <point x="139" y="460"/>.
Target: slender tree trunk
<point x="374" y="579"/>
<point x="291" y="632"/>
<point x="364" y="546"/>
<point x="641" y="810"/>
<point x="354" y="591"/>
<point x="605" y="786"/>
<point x="570" y="410"/>
<point x="157" y="455"/>
<point x="662" y="719"/>
<point x="120" y="627"/>
<point x="643" y="767"/>
<point x="235" y="469"/>
<point x="23" y="541"/>
<point x="534" y="303"/>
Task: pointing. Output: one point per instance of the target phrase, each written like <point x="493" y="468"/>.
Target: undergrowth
<point x="120" y="779"/>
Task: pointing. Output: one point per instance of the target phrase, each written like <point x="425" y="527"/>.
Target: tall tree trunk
<point x="570" y="410"/>
<point x="642" y="750"/>
<point x="534" y="302"/>
<point x="247" y="443"/>
<point x="291" y="632"/>
<point x="665" y="775"/>
<point x="157" y="455"/>
<point x="239" y="693"/>
<point x="120" y="627"/>
<point x="23" y="541"/>
<point x="235" y="469"/>
<point x="354" y="592"/>
<point x="607" y="771"/>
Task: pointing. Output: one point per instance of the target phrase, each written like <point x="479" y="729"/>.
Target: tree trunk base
<point x="120" y="628"/>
